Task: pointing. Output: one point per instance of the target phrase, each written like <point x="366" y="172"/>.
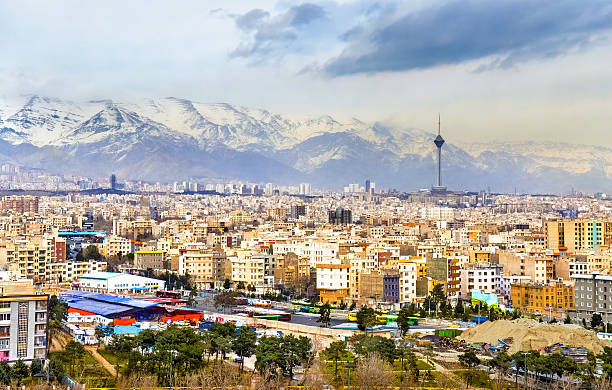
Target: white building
<point x="407" y="281"/>
<point x="483" y="277"/>
<point x="119" y="283"/>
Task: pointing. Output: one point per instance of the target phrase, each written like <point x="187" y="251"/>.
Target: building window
<point x="22" y="329"/>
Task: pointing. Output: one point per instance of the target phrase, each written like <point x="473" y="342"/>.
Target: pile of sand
<point x="529" y="334"/>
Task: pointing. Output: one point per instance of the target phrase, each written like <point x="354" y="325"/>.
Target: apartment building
<point x="115" y="245"/>
<point x="554" y="298"/>
<point x="333" y="282"/>
<point x="67" y="271"/>
<point x="206" y="267"/>
<point x="27" y="257"/>
<point x="155" y="260"/>
<point x="576" y="234"/>
<point x="445" y="270"/>
<point x="291" y="270"/>
<point x="408" y="276"/>
<point x="593" y="294"/>
<point x="23" y="322"/>
<point x="480" y="277"/>
<point x="20" y="204"/>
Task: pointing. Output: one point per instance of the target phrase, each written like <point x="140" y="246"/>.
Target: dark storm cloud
<point x="507" y="31"/>
<point x="270" y="33"/>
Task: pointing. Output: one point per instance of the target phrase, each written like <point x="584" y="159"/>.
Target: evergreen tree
<point x="403" y="321"/>
<point x="325" y="315"/>
<point x="366" y="318"/>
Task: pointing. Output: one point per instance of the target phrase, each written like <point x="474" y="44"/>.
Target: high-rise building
<point x="113" y="181"/>
<point x="367" y="185"/>
<point x="297" y="210"/>
<point x="340" y="216"/>
<point x="23" y="322"/>
<point x="439" y="141"/>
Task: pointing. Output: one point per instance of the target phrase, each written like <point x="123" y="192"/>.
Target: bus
<point x="168" y="294"/>
<point x="308" y="309"/>
<point x="382" y="319"/>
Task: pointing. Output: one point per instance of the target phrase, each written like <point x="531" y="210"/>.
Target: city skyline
<point x="546" y="83"/>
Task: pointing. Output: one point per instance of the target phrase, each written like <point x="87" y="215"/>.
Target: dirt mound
<point x="529" y="334"/>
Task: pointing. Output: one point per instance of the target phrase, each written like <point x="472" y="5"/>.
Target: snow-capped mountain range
<point x="175" y="139"/>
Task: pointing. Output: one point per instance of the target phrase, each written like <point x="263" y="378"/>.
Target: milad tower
<point x="439" y="141"/>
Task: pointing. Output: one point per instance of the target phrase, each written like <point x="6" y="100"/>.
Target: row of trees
<point x="19" y="371"/>
<point x="366" y="347"/>
<point x="544" y="367"/>
<point x="175" y="353"/>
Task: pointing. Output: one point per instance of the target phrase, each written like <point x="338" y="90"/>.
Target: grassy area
<point x="421" y="365"/>
<point x="428" y="377"/>
<point x="113" y="358"/>
<point x="87" y="371"/>
<point x="478" y="378"/>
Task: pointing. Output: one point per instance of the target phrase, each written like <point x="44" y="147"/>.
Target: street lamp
<point x="172" y="353"/>
<point x="349" y="365"/>
<point x="39" y="375"/>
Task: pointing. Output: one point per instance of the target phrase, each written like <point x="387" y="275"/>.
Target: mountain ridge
<point x="175" y="139"/>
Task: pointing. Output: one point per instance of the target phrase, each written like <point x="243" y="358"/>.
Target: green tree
<point x="36" y="367"/>
<point x="596" y="320"/>
<point x="403" y="321"/>
<point x="335" y="352"/>
<point x="91" y="253"/>
<point x="75" y="351"/>
<point x="103" y="332"/>
<point x="145" y="339"/>
<point x="244" y="343"/>
<point x="325" y="315"/>
<point x="366" y="318"/>
<point x="606" y="358"/>
<point x="437" y="293"/>
<point x="298" y="351"/>
<point x="227" y="284"/>
<point x="20" y="371"/>
<point x="408" y="362"/>
<point x="353" y="306"/>
<point x="469" y="360"/>
<point x="56" y="371"/>
<point x="269" y="356"/>
<point x="459" y="309"/>
<point x="193" y="293"/>
<point x="586" y="371"/>
<point x="240" y="285"/>
<point x="567" y="320"/>
<point x="381" y="346"/>
<point x="5" y="373"/>
<point x="501" y="362"/>
<point x="58" y="312"/>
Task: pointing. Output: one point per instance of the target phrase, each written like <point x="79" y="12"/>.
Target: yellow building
<point x="576" y="234"/>
<point x="554" y="297"/>
<point x="26" y="257"/>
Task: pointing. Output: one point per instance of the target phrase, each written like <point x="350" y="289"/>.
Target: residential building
<point x="23" y="322"/>
<point x="593" y="294"/>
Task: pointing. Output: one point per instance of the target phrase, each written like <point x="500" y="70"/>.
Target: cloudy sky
<point x="502" y="70"/>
